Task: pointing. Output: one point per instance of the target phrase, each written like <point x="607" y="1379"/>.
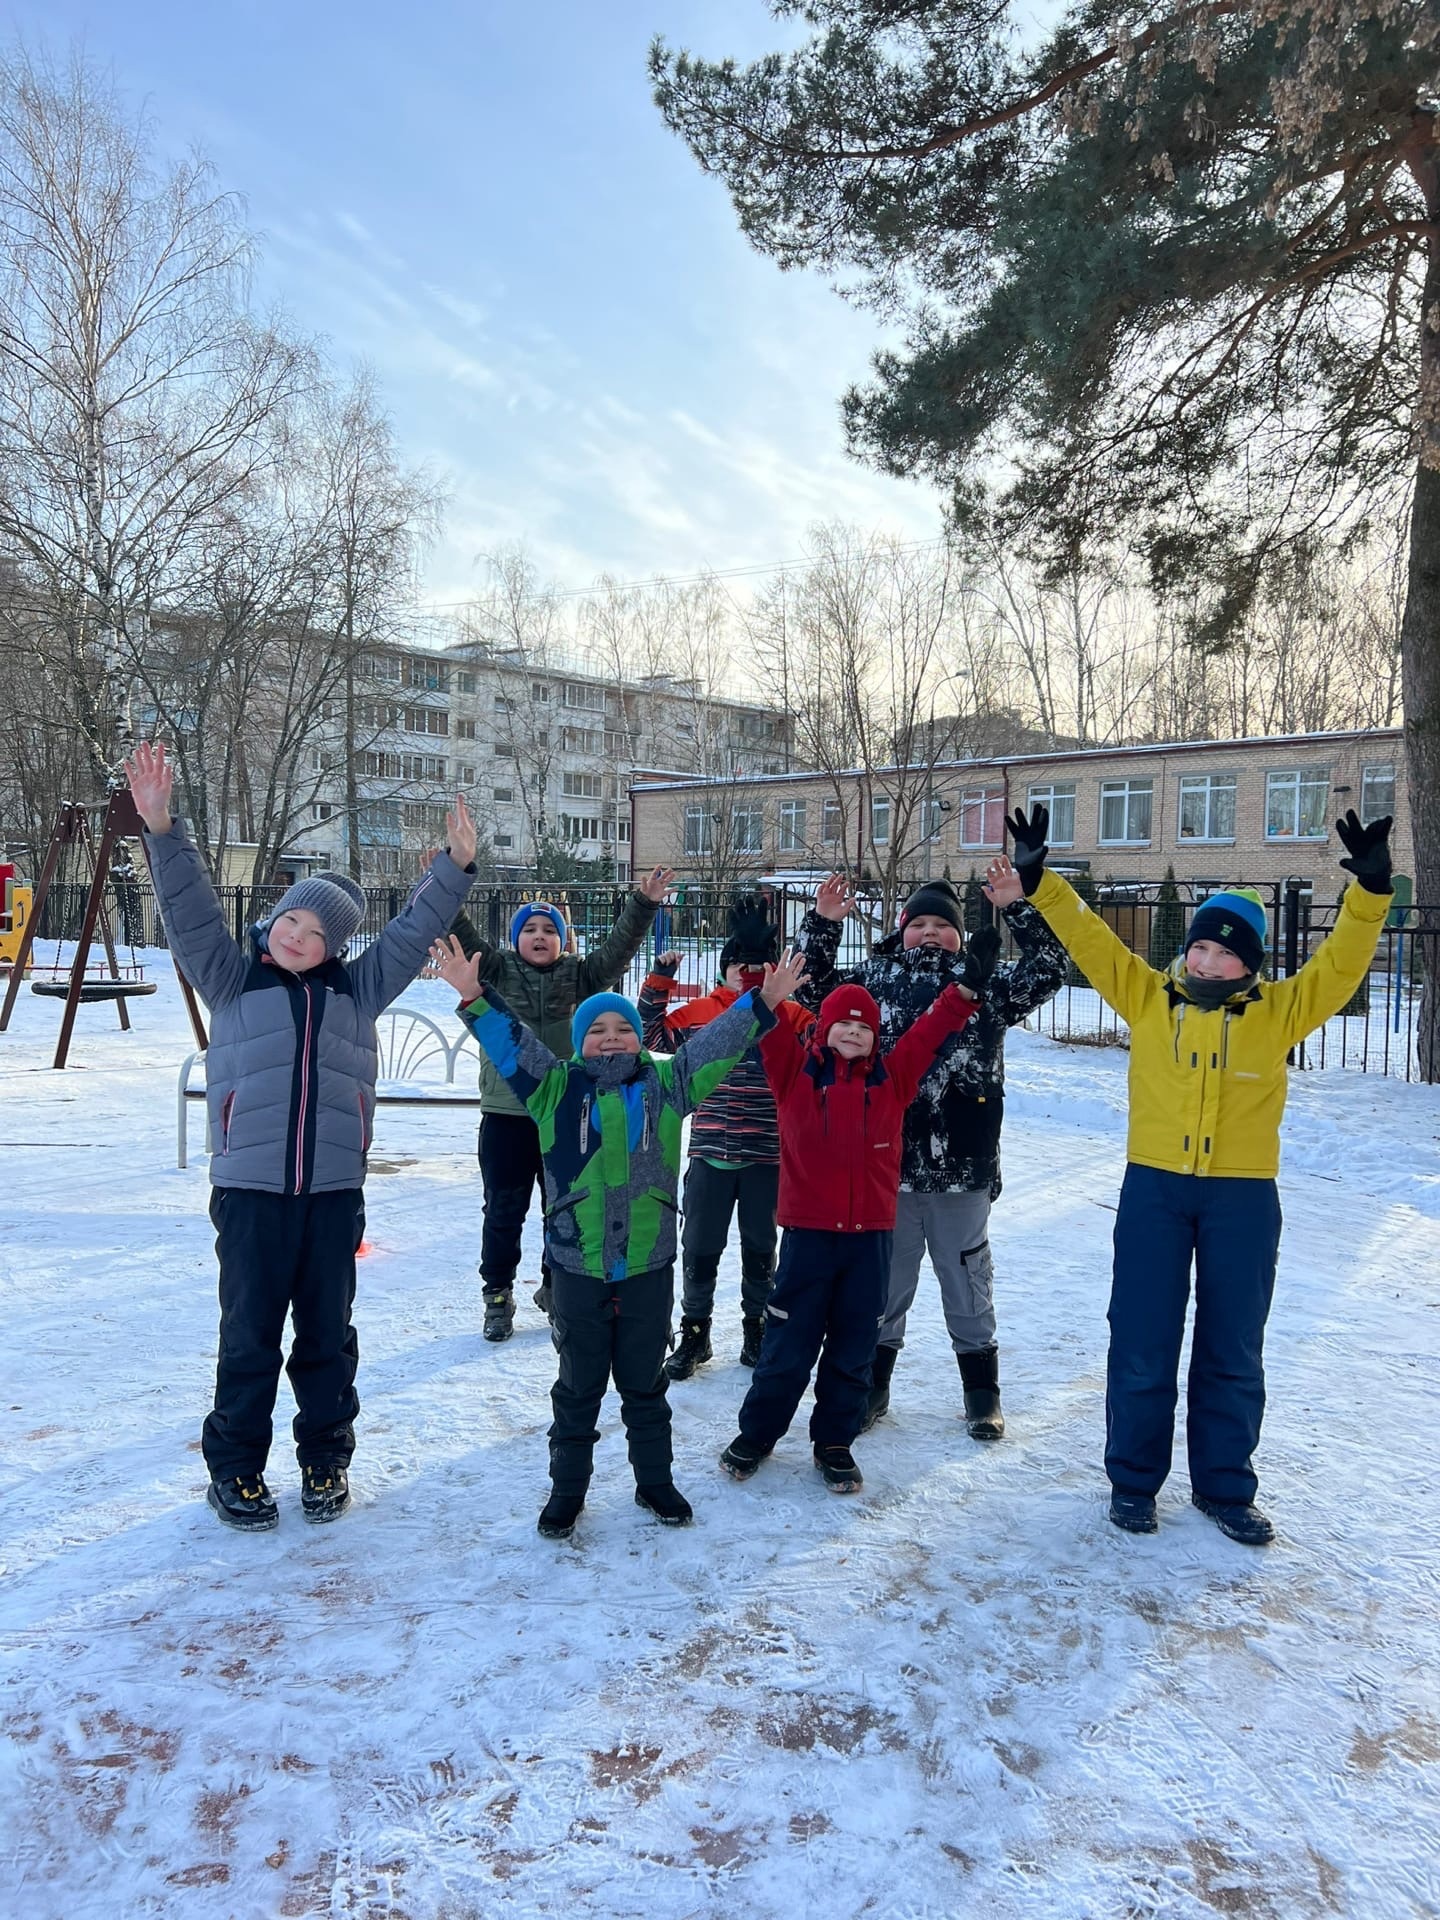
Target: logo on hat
<point x="1226" y="931"/>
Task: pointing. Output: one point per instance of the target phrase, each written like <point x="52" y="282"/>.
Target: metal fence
<point x="1376" y="1033"/>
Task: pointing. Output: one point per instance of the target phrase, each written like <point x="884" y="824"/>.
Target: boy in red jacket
<point x="841" y="1106"/>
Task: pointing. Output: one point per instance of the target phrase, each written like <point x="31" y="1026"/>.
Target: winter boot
<point x="559" y="1514"/>
<point x="1133" y="1512"/>
<point x="742" y="1457"/>
<point x="499" y="1313"/>
<point x="324" y="1491"/>
<point x="980" y="1374"/>
<point x="693" y="1350"/>
<point x="837" y="1464"/>
<point x="244" y="1502"/>
<point x="541" y="1296"/>
<point x="669" y="1507"/>
<point x="1237" y="1520"/>
<point x="879" y="1402"/>
<point x="752" y="1338"/>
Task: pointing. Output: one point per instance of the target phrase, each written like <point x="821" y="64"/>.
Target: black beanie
<point x="936" y="897"/>
<point x="754" y="937"/>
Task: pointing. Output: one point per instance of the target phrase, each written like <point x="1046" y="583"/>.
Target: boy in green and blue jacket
<point x="609" y="1121"/>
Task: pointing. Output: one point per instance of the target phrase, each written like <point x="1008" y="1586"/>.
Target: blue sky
<point x="483" y="203"/>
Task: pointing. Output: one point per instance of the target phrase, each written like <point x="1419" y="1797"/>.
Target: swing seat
<point x="95" y="989"/>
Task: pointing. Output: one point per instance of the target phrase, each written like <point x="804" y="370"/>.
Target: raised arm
<point x="712" y="1050"/>
<point x="532" y="1072"/>
<point x="654" y="1002"/>
<point x="606" y="966"/>
<point x="1021" y="985"/>
<point x="1333" y="972"/>
<point x="194" y="922"/>
<point x="913" y="1054"/>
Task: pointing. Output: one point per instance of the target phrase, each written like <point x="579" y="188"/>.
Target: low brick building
<point x="1257" y="810"/>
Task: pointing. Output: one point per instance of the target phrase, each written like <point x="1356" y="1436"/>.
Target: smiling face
<point x="851" y="1039"/>
<point x="296" y="939"/>
<point x="929" y="930"/>
<point x="609" y="1033"/>
<point x="538" y="942"/>
<point x="1208" y="960"/>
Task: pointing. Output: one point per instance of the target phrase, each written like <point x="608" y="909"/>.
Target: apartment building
<point x="1215" y="811"/>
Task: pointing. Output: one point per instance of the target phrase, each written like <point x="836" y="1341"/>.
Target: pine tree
<point x="1174" y="276"/>
<point x="1085" y="886"/>
<point x="1167" y="923"/>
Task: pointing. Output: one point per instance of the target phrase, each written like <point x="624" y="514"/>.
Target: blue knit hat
<point x="1234" y="920"/>
<point x="545" y="911"/>
<point x="336" y="902"/>
<point x="589" y="1011"/>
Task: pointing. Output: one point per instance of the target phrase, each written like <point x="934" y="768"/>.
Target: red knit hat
<point x="846" y="1003"/>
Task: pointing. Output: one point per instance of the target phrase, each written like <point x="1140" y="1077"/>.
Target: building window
<point x="421" y="766"/>
<point x="982" y="817"/>
<point x="932" y="817"/>
<point x="380" y="766"/>
<point x="831" y="823"/>
<point x="747" y="829"/>
<point x="582" y="740"/>
<point x="1295" y="804"/>
<point x="429" y="674"/>
<point x="1060" y="799"/>
<point x="426" y="720"/>
<point x="699" y="828"/>
<point x="1207" y="806"/>
<point x="465" y="729"/>
<point x="504" y="839"/>
<point x="321" y="810"/>
<point x="539" y="690"/>
<point x="792" y="825"/>
<point x="467" y="776"/>
<point x="1125" y="811"/>
<point x="624" y="829"/>
<point x="579" y="826"/>
<point x="503" y="750"/>
<point x="592" y="699"/>
<point x="464" y="682"/>
<point x="384" y="666"/>
<point x="580" y="786"/>
<point x="880" y="823"/>
<point x="504" y="794"/>
<point x="1377" y="792"/>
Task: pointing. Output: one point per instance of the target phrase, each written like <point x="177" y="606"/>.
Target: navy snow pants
<point x="604" y="1330"/>
<point x="1231" y="1230"/>
<point x="284" y="1253"/>
<point x="827" y="1304"/>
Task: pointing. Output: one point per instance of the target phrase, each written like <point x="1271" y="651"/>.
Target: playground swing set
<point x="79" y="981"/>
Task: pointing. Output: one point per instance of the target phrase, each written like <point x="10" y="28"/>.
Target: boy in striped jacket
<point x="734" y="1162"/>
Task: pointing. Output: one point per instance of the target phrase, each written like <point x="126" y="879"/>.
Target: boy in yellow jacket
<point x="1208" y="1042"/>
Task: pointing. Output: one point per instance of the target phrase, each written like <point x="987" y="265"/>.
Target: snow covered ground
<point x="960" y="1693"/>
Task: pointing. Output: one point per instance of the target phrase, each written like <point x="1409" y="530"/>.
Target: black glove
<point x="1369" y="851"/>
<point x="1030" y="848"/>
<point x="981" y="953"/>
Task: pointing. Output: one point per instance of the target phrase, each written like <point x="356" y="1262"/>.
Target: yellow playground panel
<point x="14" y="918"/>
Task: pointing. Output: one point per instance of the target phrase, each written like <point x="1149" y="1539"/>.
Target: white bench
<point x="418" y="1062"/>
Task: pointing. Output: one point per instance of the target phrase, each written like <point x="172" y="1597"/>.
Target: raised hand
<point x="982" y="951"/>
<point x="1029" y="836"/>
<point x="668" y="962"/>
<point x="447" y="957"/>
<point x="655" y="882"/>
<point x="460" y="826"/>
<point x="151" y="779"/>
<point x="1003" y="885"/>
<point x="1369" y="850"/>
<point x="834" y="898"/>
<point x="784" y="977"/>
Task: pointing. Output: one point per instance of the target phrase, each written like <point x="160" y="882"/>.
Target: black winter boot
<point x="980" y="1375"/>
<point x="244" y="1502"/>
<point x="1237" y="1520"/>
<point x="324" y="1491"/>
<point x="742" y="1458"/>
<point x="752" y="1338"/>
<point x="837" y="1466"/>
<point x="693" y="1350"/>
<point x="667" y="1503"/>
<point x="879" y="1402"/>
<point x="559" y="1514"/>
<point x="499" y="1314"/>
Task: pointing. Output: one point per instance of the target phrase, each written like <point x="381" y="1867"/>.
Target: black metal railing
<point x="1378" y="1032"/>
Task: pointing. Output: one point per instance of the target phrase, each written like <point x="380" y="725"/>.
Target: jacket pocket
<point x="364" y="1129"/>
<point x="226" y="1114"/>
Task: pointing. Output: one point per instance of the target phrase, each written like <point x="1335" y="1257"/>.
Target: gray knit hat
<point x="336" y="902"/>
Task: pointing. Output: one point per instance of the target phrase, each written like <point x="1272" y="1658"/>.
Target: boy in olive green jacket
<point x="1208" y="1046"/>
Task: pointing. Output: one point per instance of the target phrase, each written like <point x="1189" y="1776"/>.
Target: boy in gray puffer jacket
<point x="291" y="1094"/>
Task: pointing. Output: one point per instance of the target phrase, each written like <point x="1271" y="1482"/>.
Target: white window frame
<point x="989" y="798"/>
<point x="1052" y="797"/>
<point x="1127" y="792"/>
<point x="1209" y="786"/>
<point x="747" y="827"/>
<point x="1368" y="810"/>
<point x="932" y="817"/>
<point x="882" y="814"/>
<point x="1296" y="782"/>
<point x="699" y="832"/>
<point x="792" y="826"/>
<point x="832" y="823"/>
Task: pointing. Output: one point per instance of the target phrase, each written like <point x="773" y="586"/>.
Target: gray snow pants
<point x="954" y="1227"/>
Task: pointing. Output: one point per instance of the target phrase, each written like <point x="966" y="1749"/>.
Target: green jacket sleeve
<point x="606" y="966"/>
